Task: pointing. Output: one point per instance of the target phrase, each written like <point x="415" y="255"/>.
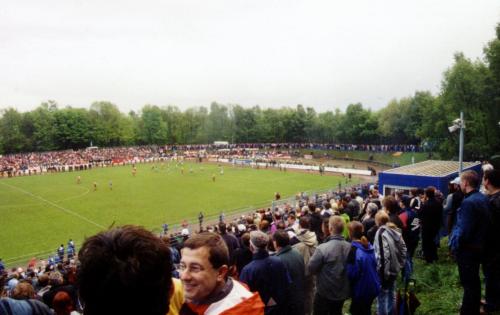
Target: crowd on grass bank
<point x="306" y="258"/>
<point x="38" y="162"/>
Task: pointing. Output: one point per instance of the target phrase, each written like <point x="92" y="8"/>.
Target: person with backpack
<point x="390" y="251"/>
<point x="362" y="271"/>
<point x="411" y="232"/>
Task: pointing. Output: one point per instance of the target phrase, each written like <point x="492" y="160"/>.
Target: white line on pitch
<point x="55" y="205"/>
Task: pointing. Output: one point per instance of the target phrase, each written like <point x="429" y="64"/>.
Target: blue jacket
<point x="362" y="272"/>
<point x="267" y="275"/>
<point x="469" y="234"/>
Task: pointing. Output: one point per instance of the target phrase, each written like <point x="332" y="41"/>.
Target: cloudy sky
<point x="324" y="54"/>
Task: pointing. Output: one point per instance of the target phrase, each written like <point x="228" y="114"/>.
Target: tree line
<point x="471" y="86"/>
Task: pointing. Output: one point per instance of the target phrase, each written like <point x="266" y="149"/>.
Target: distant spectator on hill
<point x="125" y="270"/>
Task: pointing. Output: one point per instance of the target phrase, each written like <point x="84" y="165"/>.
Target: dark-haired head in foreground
<point x="125" y="270"/>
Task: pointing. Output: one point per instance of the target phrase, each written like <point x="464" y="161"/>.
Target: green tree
<point x="358" y="125"/>
<point x="11" y="125"/>
<point x="73" y="128"/>
<point x="218" y="126"/>
<point x="151" y="128"/>
<point x="44" y="128"/>
<point x="107" y="122"/>
<point x="492" y="54"/>
<point x="464" y="89"/>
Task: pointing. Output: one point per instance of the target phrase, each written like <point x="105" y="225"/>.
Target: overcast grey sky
<point x="324" y="54"/>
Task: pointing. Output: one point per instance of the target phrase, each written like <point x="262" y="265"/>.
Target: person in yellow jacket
<point x="176" y="297"/>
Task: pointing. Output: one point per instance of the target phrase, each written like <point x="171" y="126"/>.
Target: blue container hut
<point x="423" y="174"/>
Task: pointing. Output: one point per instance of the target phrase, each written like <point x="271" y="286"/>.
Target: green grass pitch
<point x="37" y="213"/>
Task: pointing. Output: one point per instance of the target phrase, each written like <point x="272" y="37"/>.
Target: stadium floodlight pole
<point x="459" y="123"/>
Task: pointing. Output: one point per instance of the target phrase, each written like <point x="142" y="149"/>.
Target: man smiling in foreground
<point x="207" y="287"/>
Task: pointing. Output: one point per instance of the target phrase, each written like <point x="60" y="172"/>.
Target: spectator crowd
<point x="39" y="162"/>
<point x="307" y="256"/>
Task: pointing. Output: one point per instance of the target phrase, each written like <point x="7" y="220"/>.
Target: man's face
<point x="199" y="278"/>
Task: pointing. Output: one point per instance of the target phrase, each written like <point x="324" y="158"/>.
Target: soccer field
<point x="38" y="213"/>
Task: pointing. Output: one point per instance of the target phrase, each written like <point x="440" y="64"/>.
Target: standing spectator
<point x="306" y="246"/>
<point x="230" y="240"/>
<point x="174" y="254"/>
<point x="453" y="202"/>
<point x="362" y="271"/>
<point x="315" y="221"/>
<point x="293" y="224"/>
<point x="207" y="287"/>
<point x="56" y="282"/>
<point x="328" y="264"/>
<point x="468" y="238"/>
<point x="491" y="265"/>
<point x="267" y="275"/>
<point x="411" y="233"/>
<point x="70" y="253"/>
<point x="431" y="214"/>
<point x="415" y="202"/>
<point x="243" y="255"/>
<point x="23" y="291"/>
<point x="368" y="219"/>
<point x="60" y="253"/>
<point x="294" y="263"/>
<point x="125" y="270"/>
<point x="392" y="208"/>
<point x="63" y="305"/>
<point x="390" y="251"/>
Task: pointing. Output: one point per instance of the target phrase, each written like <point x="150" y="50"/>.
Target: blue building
<point x="423" y="174"/>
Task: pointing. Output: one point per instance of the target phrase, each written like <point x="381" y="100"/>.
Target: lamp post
<point x="459" y="124"/>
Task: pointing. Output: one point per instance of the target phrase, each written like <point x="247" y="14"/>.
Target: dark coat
<point x="268" y="276"/>
<point x="431" y="216"/>
<point x="294" y="263"/>
<point x="473" y="217"/>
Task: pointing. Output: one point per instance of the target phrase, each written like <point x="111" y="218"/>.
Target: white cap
<point x="456" y="181"/>
<point x="185" y="231"/>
